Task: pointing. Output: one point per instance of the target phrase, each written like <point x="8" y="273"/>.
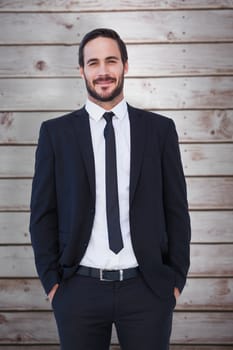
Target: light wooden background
<point x="181" y="64"/>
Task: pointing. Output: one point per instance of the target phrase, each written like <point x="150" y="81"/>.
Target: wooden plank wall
<point x="181" y="64"/>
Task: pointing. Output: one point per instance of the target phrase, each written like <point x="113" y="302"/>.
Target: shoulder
<point x="62" y="121"/>
<point x="155" y="120"/>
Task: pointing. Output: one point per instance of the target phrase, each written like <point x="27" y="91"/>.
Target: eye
<point x="92" y="63"/>
<point x="112" y="61"/>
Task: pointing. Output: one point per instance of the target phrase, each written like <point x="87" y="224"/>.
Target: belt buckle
<point x="101" y="276"/>
<point x="108" y="280"/>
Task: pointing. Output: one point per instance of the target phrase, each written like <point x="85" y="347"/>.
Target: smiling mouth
<point x="104" y="81"/>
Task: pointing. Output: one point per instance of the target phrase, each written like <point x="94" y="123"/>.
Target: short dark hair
<point x="105" y="33"/>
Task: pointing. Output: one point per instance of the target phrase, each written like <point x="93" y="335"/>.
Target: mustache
<point x="105" y="78"/>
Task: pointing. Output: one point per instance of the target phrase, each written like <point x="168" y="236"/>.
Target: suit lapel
<point x="137" y="133"/>
<point x="82" y="127"/>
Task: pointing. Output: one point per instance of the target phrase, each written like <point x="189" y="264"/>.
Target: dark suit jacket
<point x="63" y="199"/>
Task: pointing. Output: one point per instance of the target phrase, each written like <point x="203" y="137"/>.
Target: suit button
<point x="92" y="210"/>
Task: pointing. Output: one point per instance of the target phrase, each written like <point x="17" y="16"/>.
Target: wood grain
<point x="210" y="294"/>
<point x="209" y="260"/>
<point x="192" y="126"/>
<point x="203" y="193"/>
<point x="116" y="347"/>
<point x="207" y="294"/>
<point x="202" y="328"/>
<point x="212" y="227"/>
<point x="198" y="160"/>
<point x="180" y="55"/>
<point x="152" y="26"/>
<point x="210" y="193"/>
<point x="203" y="126"/>
<point x="15" y="194"/>
<point x="207" y="227"/>
<point x="188" y="328"/>
<point x="106" y="5"/>
<point x="17" y="261"/>
<point x="14" y="228"/>
<point x="145" y="60"/>
<point x="50" y="94"/>
<point x="207" y="159"/>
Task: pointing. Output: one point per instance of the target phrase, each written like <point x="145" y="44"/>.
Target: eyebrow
<point x="107" y="59"/>
<point x="112" y="58"/>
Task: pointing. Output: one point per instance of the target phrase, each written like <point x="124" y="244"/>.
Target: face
<point x="103" y="71"/>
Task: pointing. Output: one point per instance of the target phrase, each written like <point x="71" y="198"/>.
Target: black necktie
<point x="112" y="203"/>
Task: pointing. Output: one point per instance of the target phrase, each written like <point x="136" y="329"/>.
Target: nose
<point x="102" y="69"/>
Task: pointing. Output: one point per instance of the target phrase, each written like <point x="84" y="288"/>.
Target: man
<point x="109" y="216"/>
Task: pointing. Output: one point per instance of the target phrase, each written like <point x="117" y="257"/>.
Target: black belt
<point x="108" y="275"/>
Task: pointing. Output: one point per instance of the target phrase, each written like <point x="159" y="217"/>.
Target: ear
<point x="81" y="71"/>
<point x="126" y="67"/>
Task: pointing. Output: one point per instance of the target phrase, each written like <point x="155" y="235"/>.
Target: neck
<point x="108" y="105"/>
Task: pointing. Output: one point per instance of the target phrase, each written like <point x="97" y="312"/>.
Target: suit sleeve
<point x="176" y="208"/>
<point x="43" y="219"/>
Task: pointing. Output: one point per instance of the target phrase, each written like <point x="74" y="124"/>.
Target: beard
<point x="111" y="95"/>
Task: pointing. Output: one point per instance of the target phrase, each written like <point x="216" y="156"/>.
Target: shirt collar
<point x="96" y="112"/>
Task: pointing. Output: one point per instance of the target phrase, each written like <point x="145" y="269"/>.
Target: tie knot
<point x="108" y="116"/>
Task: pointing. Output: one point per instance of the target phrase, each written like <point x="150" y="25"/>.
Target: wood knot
<point x="69" y="26"/>
<point x="40" y="65"/>
<point x="3" y="319"/>
<point x="6" y="119"/>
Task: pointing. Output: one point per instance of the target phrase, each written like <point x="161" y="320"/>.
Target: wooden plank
<point x="207" y="159"/>
<point x="106" y="5"/>
<point x="15" y="194"/>
<point x="153" y="26"/>
<point x="17" y="161"/>
<point x="211" y="260"/>
<point x="28" y="328"/>
<point x="54" y="347"/>
<point x="192" y="126"/>
<point x="210" y="193"/>
<point x="212" y="226"/>
<point x="145" y="60"/>
<point x="22" y="295"/>
<point x="207" y="227"/>
<point x="207" y="294"/>
<point x="202" y="328"/>
<point x="20" y="158"/>
<point x="50" y="94"/>
<point x="116" y="347"/>
<point x="203" y="126"/>
<point x="203" y="193"/>
<point x="193" y="347"/>
<point x="17" y="261"/>
<point x="12" y="126"/>
<point x="14" y="228"/>
<point x="188" y="328"/>
<point x="178" y="59"/>
<point x="198" y="160"/>
<point x="200" y="294"/>
<point x="41" y="94"/>
<point x="208" y="260"/>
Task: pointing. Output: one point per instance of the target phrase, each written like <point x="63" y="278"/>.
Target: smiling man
<point x="104" y="75"/>
<point x="109" y="215"/>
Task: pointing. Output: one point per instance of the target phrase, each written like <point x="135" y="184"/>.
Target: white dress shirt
<point x="98" y="253"/>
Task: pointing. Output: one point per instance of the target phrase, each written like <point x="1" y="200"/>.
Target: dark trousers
<point x="85" y="309"/>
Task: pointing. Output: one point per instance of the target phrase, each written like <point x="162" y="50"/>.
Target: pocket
<point x="56" y="295"/>
<point x="174" y="301"/>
